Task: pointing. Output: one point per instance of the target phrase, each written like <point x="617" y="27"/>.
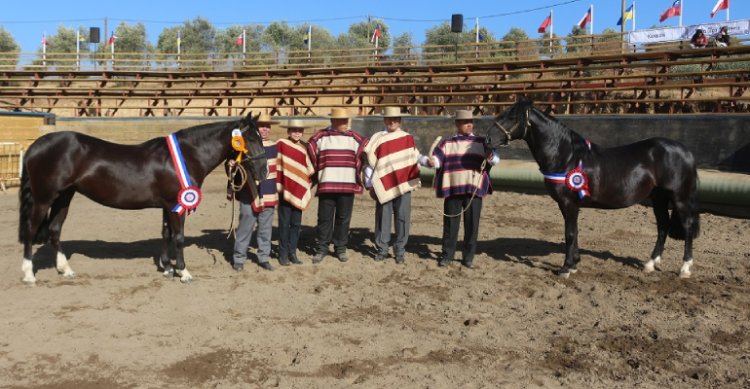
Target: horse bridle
<point x="509" y="132"/>
<point x="247" y="157"/>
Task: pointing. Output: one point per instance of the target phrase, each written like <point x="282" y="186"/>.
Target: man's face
<point x="392" y="124"/>
<point x="340" y="124"/>
<point x="465" y="127"/>
<point x="295" y="134"/>
<point x="265" y="130"/>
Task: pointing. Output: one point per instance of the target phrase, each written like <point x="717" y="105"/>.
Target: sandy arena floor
<point x="508" y="323"/>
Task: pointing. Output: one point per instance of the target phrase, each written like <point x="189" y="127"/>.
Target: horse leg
<point x="178" y="237"/>
<point x="166" y="241"/>
<point x="58" y="213"/>
<point x="38" y="215"/>
<point x="688" y="222"/>
<point x="572" y="256"/>
<point x="660" y="203"/>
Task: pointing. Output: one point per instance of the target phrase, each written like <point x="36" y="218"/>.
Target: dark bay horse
<point x="581" y="174"/>
<point x="59" y="164"/>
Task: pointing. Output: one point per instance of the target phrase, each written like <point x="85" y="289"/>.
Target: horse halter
<point x="509" y="132"/>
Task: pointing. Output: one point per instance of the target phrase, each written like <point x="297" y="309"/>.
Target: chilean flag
<point x="240" y="39"/>
<point x="375" y="34"/>
<point x="112" y="38"/>
<point x="586" y="19"/>
<point x="720" y="5"/>
<point x="674" y="10"/>
<point x="546" y="23"/>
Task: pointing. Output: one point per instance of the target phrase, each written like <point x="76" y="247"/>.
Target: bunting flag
<point x="308" y="35"/>
<point x="674" y="10"/>
<point x="112" y="39"/>
<point x="629" y="14"/>
<point x="720" y="5"/>
<point x="240" y="40"/>
<point x="44" y="40"/>
<point x="586" y="19"/>
<point x="546" y="23"/>
<point x="375" y="34"/>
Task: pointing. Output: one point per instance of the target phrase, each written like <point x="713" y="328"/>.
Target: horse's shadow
<point x="510" y="249"/>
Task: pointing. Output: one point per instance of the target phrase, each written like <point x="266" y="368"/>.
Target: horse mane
<point x="577" y="141"/>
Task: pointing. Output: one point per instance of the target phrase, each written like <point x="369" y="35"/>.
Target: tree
<point x="356" y="43"/>
<point x="9" y="49"/>
<point x="576" y="43"/>
<point x="516" y="44"/>
<point x="132" y="50"/>
<point x="443" y="45"/>
<point x="197" y="43"/>
<point x="404" y="52"/>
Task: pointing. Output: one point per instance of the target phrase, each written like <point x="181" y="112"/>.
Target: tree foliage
<point x="132" y="49"/>
<point x="9" y="48"/>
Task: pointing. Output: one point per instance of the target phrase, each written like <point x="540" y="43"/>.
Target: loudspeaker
<point x="457" y="23"/>
<point x="94" y="35"/>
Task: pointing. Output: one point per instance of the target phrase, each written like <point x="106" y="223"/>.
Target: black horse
<point x="581" y="174"/>
<point x="58" y="165"/>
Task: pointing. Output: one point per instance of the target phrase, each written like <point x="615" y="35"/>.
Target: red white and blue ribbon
<point x="575" y="179"/>
<point x="189" y="196"/>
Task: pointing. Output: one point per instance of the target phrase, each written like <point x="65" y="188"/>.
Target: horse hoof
<point x="70" y="274"/>
<point x="648" y="267"/>
<point x="168" y="273"/>
<point x="564" y="274"/>
<point x="684" y="274"/>
<point x="29" y="281"/>
<point x="186" y="280"/>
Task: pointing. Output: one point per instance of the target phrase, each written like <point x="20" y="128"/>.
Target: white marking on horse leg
<point x="63" y="267"/>
<point x="185" y="276"/>
<point x="649" y="266"/>
<point x="565" y="274"/>
<point x="28" y="271"/>
<point x="685" y="270"/>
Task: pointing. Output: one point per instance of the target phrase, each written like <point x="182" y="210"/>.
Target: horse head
<point x="254" y="160"/>
<point x="511" y="124"/>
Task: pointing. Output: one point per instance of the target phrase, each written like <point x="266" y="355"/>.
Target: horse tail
<point x="676" y="231"/>
<point x="26" y="200"/>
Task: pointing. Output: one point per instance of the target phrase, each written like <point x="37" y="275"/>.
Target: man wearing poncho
<point x="391" y="175"/>
<point x="293" y="171"/>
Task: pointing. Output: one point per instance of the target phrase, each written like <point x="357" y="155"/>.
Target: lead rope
<point x="231" y="174"/>
<point x="476" y="188"/>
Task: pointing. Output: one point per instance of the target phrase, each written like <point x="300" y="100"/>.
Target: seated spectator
<point x="722" y="37"/>
<point x="699" y="40"/>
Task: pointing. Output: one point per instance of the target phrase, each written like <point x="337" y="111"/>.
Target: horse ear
<point x="246" y="120"/>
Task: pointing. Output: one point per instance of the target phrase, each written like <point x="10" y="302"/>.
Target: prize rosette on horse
<point x="577" y="181"/>
<point x="189" y="196"/>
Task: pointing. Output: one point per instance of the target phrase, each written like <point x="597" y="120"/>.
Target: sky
<point x="27" y="22"/>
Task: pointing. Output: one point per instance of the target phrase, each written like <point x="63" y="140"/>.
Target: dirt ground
<point x="508" y="323"/>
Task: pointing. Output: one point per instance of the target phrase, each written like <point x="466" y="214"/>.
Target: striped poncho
<point x="336" y="158"/>
<point x="460" y="167"/>
<point x="393" y="157"/>
<point x="267" y="194"/>
<point x="293" y="171"/>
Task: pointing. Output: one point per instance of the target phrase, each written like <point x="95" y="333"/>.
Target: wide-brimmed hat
<point x="295" y="123"/>
<point x="393" y="112"/>
<point x="266" y="118"/>
<point x="463" y="114"/>
<point x="339" y="113"/>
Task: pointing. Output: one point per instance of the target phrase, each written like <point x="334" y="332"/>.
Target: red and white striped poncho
<point x="336" y="157"/>
<point x="293" y="171"/>
<point x="393" y="157"/>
